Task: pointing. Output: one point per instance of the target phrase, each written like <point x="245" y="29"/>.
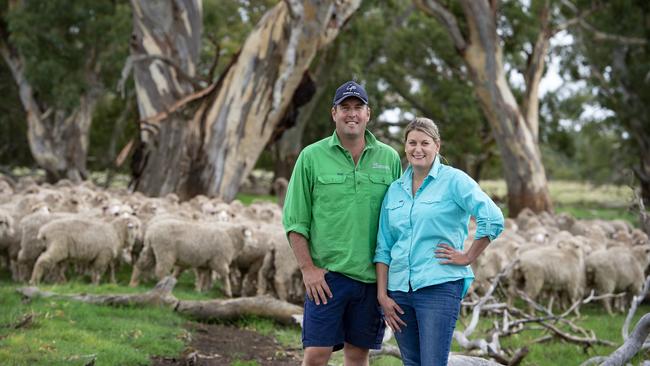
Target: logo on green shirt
<point x="380" y="166"/>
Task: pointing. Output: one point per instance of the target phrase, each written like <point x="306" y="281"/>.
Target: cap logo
<point x="351" y="87"/>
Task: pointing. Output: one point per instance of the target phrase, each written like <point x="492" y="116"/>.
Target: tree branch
<point x="128" y="66"/>
<point x="534" y="72"/>
<point x="632" y="345"/>
<point x="446" y="18"/>
<point x="597" y="35"/>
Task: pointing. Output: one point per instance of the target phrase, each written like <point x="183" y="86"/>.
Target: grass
<point x="73" y="333"/>
<point x="581" y="200"/>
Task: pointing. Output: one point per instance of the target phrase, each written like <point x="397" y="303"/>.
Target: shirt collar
<point x="371" y="140"/>
<point x="407" y="176"/>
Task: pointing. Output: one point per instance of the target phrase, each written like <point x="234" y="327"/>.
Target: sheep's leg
<point x="144" y="262"/>
<point x="223" y="269"/>
<point x="532" y="288"/>
<point x="45" y="261"/>
<point x="102" y="262"/>
<point x="267" y="266"/>
<point x="252" y="278"/>
<point x="178" y="271"/>
<point x="164" y="264"/>
<point x="235" y="281"/>
<point x="135" y="276"/>
<point x="111" y="267"/>
<point x="282" y="282"/>
<point x="200" y="279"/>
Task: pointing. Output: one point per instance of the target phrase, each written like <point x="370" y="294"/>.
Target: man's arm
<point x="312" y="276"/>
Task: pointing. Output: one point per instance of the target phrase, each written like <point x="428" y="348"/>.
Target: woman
<point x="422" y="269"/>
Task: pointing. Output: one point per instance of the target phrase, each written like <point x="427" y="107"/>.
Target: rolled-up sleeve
<point x="470" y="196"/>
<point x="385" y="238"/>
<point x="296" y="213"/>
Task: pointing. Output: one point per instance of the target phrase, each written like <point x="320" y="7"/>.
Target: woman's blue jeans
<point x="430" y="314"/>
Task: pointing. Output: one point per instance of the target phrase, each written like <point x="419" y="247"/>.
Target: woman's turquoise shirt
<point x="411" y="228"/>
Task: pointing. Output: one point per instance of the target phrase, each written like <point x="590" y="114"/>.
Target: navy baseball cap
<point x="350" y="89"/>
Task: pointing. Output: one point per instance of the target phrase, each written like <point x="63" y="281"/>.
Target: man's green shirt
<point x="335" y="204"/>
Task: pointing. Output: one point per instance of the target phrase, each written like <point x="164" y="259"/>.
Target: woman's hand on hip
<point x="451" y="255"/>
<point x="391" y="310"/>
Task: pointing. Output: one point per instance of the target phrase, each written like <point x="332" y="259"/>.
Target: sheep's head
<point x="134" y="232"/>
<point x="249" y="238"/>
<point x="6" y="225"/>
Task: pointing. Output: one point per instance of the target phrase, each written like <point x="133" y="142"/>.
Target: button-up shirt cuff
<point x="297" y="228"/>
<point x="487" y="229"/>
<point x="382" y="259"/>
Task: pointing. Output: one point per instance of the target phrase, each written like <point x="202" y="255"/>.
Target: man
<point x="331" y="213"/>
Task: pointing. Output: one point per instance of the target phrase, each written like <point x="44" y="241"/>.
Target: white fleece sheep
<point x="617" y="269"/>
<point x="94" y="243"/>
<point x="30" y="246"/>
<point x="197" y="245"/>
<point x="558" y="269"/>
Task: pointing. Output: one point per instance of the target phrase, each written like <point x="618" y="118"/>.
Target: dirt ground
<point x="220" y="345"/>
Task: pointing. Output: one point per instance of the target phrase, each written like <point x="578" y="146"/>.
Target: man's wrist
<point x="306" y="266"/>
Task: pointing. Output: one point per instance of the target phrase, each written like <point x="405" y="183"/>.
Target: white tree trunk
<point x="515" y="132"/>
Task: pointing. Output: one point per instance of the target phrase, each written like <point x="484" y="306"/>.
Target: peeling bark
<point x="211" y="147"/>
<point x="515" y="132"/>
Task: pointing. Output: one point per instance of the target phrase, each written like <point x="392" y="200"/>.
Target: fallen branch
<point x="636" y="301"/>
<point x="206" y="310"/>
<point x="632" y="345"/>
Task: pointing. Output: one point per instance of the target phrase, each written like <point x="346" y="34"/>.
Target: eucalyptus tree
<point x="204" y="139"/>
<point x="480" y="31"/>
<point x="61" y="55"/>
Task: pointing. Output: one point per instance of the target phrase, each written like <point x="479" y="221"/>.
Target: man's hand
<point x="315" y="284"/>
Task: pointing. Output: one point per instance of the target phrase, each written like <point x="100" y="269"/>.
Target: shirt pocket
<point x="398" y="215"/>
<point x="438" y="209"/>
<point x="330" y="190"/>
<point x="377" y="188"/>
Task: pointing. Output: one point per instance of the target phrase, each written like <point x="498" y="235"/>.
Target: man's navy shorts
<point x="353" y="316"/>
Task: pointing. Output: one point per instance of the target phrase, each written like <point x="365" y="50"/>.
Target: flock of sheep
<point x="46" y="231"/>
<point x="564" y="259"/>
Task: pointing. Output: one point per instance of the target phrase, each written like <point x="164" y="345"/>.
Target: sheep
<point x="252" y="258"/>
<point x="494" y="259"/>
<point x="30" y="246"/>
<point x="7" y="233"/>
<point x="283" y="271"/>
<point x="564" y="221"/>
<point x="189" y="245"/>
<point x="617" y="269"/>
<point x="559" y="269"/>
<point x="91" y="242"/>
<point x="639" y="237"/>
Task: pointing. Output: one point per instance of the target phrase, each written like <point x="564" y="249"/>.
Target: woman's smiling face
<point x="421" y="149"/>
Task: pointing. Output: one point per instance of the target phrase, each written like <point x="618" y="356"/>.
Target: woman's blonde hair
<point x="423" y="125"/>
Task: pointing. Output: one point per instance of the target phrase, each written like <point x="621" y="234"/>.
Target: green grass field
<point x="70" y="333"/>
